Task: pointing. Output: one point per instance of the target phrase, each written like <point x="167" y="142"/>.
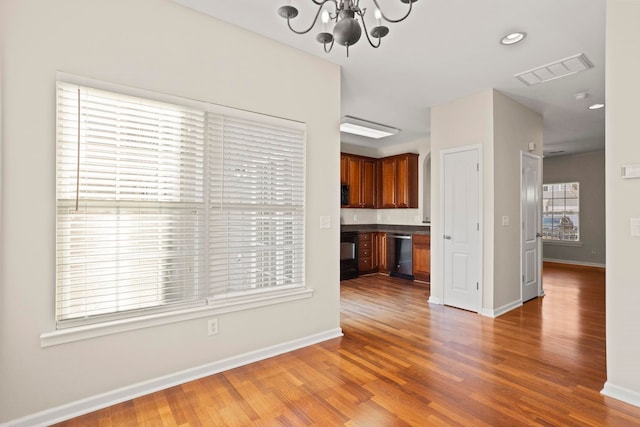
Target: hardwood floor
<point x="405" y="362"/>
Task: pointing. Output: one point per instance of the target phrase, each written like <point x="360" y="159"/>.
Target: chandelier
<point x="346" y="27"/>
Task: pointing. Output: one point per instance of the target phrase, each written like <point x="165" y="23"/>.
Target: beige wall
<point x="502" y="127"/>
<point x="159" y="46"/>
<point x="622" y="200"/>
<point x="515" y="126"/>
<point x="463" y="122"/>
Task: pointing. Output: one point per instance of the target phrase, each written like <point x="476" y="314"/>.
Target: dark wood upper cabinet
<point x="344" y="162"/>
<point x="360" y="174"/>
<point x="399" y="181"/>
<point x="390" y="182"/>
<point x="354" y="174"/>
<point x="368" y="187"/>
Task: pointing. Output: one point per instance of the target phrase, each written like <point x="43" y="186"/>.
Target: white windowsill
<point x="576" y="244"/>
<point x="214" y="307"/>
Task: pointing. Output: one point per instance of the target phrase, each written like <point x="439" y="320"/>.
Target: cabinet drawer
<point x="364" y="237"/>
<point x="364" y="264"/>
<point x="364" y="253"/>
<point x="365" y="245"/>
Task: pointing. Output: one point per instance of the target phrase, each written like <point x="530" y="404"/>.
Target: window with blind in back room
<point x="163" y="206"/>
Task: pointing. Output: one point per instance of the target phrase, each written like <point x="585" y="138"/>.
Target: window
<point x="168" y="205"/>
<point x="561" y="212"/>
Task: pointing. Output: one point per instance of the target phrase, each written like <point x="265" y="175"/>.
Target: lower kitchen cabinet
<point x="372" y="252"/>
<point x="382" y="252"/>
<point x="421" y="258"/>
<point x="365" y="253"/>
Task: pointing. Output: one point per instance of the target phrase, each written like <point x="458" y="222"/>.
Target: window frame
<point x="238" y="300"/>
<point x="562" y="213"/>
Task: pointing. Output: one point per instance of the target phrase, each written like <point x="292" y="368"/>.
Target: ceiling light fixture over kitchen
<point x="346" y="29"/>
<point x="366" y="128"/>
<point x="596" y="106"/>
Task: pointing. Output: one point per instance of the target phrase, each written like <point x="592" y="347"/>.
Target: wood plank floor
<point x="404" y="362"/>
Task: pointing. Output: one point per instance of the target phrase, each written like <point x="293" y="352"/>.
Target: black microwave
<point x="344" y="194"/>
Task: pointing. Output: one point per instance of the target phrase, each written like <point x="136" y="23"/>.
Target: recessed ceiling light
<point x="596" y="106"/>
<point x="513" y="38"/>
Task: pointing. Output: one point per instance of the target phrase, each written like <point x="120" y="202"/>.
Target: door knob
<point x="446" y="236"/>
<point x="538" y="234"/>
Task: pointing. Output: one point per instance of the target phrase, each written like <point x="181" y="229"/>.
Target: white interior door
<point x="462" y="248"/>
<point x="531" y="212"/>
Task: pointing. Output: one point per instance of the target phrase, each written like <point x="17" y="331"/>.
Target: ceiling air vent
<point x="555" y="70"/>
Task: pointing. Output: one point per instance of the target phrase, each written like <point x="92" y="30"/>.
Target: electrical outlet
<point x="212" y="327"/>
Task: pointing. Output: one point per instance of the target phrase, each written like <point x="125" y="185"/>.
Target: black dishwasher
<point x="399" y="255"/>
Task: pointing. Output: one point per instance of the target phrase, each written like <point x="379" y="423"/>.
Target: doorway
<point x="530" y="233"/>
<point x="461" y="198"/>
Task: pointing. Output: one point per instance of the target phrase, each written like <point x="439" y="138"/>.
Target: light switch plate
<point x="505" y="221"/>
<point x="325" y="222"/>
<point x="635" y="227"/>
<point x="631" y="171"/>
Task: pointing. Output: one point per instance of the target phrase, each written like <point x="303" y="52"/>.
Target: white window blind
<point x="161" y="205"/>
<point x="256" y="217"/>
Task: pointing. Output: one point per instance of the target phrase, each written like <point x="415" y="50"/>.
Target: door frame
<point x="538" y="158"/>
<point x="480" y="188"/>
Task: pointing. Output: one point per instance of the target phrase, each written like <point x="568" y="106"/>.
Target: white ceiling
<point x="448" y="49"/>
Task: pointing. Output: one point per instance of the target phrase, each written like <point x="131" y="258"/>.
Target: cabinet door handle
<point x="447" y="237"/>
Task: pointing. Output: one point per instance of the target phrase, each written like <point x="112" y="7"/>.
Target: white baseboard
<point x="621" y="393"/>
<point x="434" y="300"/>
<point x="501" y="310"/>
<point x="564" y="261"/>
<point x="90" y="404"/>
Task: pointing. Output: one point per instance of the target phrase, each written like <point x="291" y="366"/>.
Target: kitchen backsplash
<point x="381" y="216"/>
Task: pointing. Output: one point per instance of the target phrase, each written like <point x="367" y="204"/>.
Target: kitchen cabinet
<point x="344" y="162"/>
<point x="382" y="252"/>
<point x="360" y="174"/>
<point x="365" y="253"/>
<point x="421" y="257"/>
<point x="398" y="177"/>
<point x="372" y="252"/>
<point x="375" y="249"/>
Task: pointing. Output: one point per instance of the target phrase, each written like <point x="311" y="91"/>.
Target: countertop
<point x="367" y="228"/>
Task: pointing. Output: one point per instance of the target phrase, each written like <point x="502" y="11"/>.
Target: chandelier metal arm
<point x="394" y="21"/>
<point x="330" y="46"/>
<point x="320" y="4"/>
<point x="364" y="25"/>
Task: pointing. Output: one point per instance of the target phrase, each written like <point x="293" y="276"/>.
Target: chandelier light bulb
<point x="325" y="17"/>
<point x="378" y="16"/>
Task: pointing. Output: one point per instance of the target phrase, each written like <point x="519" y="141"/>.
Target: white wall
<point x="160" y="46"/>
<point x="588" y="170"/>
<point x="622" y="200"/>
<point x="421" y="146"/>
